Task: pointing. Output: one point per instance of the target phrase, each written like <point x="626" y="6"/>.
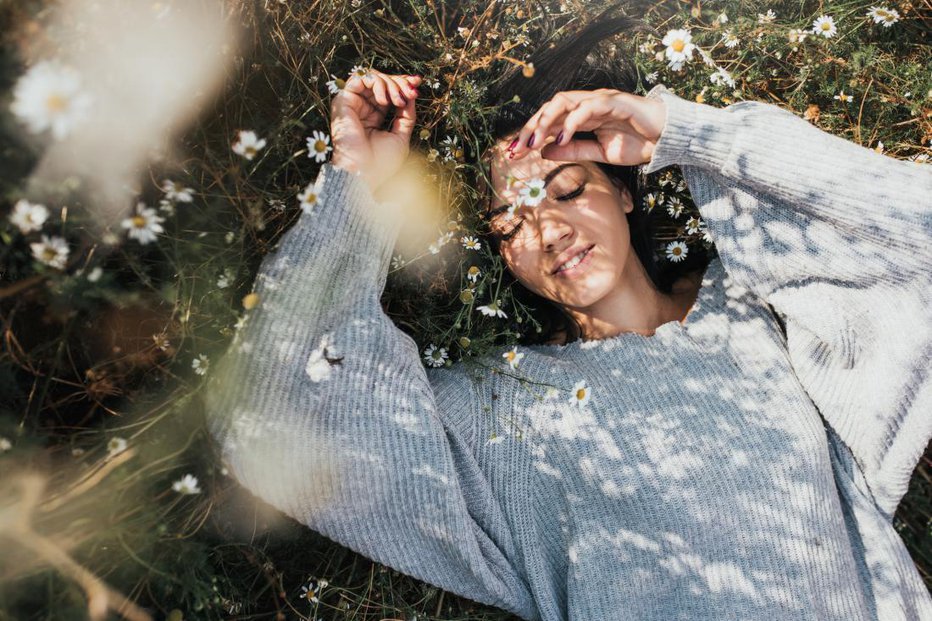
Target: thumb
<point x="574" y="150"/>
<point x="403" y="125"/>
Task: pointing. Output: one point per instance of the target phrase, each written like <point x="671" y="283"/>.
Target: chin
<point x="583" y="292"/>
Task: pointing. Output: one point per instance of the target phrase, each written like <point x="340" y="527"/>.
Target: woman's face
<point x="582" y="210"/>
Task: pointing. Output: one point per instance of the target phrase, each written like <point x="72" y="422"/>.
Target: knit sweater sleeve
<point x="322" y="408"/>
<point x="838" y="240"/>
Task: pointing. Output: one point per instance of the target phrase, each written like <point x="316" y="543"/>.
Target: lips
<point x="569" y="254"/>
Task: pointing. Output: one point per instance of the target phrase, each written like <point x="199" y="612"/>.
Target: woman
<point x="694" y="462"/>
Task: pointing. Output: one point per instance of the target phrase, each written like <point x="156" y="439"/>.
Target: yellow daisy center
<point x="474" y="271"/>
<point x="581" y="394"/>
<point x="310" y="198"/>
<point x="49" y="253"/>
<point x="510" y="356"/>
<point x="320" y="146"/>
<point x="677" y="250"/>
<point x="678" y="45"/>
<point x="139" y="222"/>
<point x="56" y="103"/>
<point x="826" y="26"/>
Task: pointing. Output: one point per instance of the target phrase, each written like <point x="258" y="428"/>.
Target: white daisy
<point x="766" y="18"/>
<point x="675" y="207"/>
<point x="223" y="281"/>
<point x="52" y="251"/>
<point x="176" y="192"/>
<point x="651" y="200"/>
<point x="693" y="224"/>
<point x="442" y="241"/>
<point x="533" y="192"/>
<point x="679" y="45"/>
<point x="452" y="148"/>
<point x="796" y="35"/>
<point x="435" y="356"/>
<point x="398" y="262"/>
<point x="677" y="251"/>
<point x="50" y="95"/>
<point x="581" y="394"/>
<point x="471" y="243"/>
<point x="116" y="446"/>
<point x="167" y="207"/>
<point x="309" y="197"/>
<point x="652" y="77"/>
<point x="248" y="144"/>
<point x="200" y="364"/>
<point x="358" y="71"/>
<point x="28" y="216"/>
<point x="722" y="18"/>
<point x="722" y="77"/>
<point x="309" y="592"/>
<point x="676" y="65"/>
<point x="824" y="25"/>
<point x="161" y="341"/>
<point x="492" y="310"/>
<point x="318" y="146"/>
<point x="144" y="225"/>
<point x="186" y="485"/>
<point x="5" y="444"/>
<point x="842" y="97"/>
<point x="883" y="15"/>
<point x="473" y="273"/>
<point x="95" y="274"/>
<point x="730" y="39"/>
<point x="335" y="85"/>
<point x="513" y="357"/>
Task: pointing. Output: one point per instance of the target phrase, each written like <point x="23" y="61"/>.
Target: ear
<point x="627" y="200"/>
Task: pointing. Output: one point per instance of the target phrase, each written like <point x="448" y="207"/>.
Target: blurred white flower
<point x="513" y="357"/>
<point x="95" y="274"/>
<point x="677" y="251"/>
<point x="176" y="192"/>
<point x="28" y="216"/>
<point x="652" y="77"/>
<point x="722" y="18"/>
<point x="223" y="281"/>
<point x="442" y="241"/>
<point x="318" y="146"/>
<point x="50" y="95"/>
<point x="116" y="446"/>
<point x="679" y="45"/>
<point x="398" y="262"/>
<point x="186" y="485"/>
<point x="308" y="197"/>
<point x="248" y="144"/>
<point x="730" y="39"/>
<point x="824" y="25"/>
<point x="144" y="225"/>
<point x="766" y="18"/>
<point x="533" y="192"/>
<point x="167" y="207"/>
<point x="435" y="356"/>
<point x="797" y="35"/>
<point x="722" y="77"/>
<point x="200" y="364"/>
<point x="842" y="97"/>
<point x="492" y="310"/>
<point x="53" y="251"/>
<point x="883" y="15"/>
<point x="229" y="237"/>
<point x="5" y="444"/>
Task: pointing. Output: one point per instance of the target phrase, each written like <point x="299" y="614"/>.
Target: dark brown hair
<point x="574" y="64"/>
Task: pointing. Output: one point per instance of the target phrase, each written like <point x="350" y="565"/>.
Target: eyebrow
<point x="553" y="173"/>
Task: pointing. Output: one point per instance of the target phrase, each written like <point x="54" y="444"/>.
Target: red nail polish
<point x="530" y="142"/>
<point x="559" y="136"/>
<point x="513" y="144"/>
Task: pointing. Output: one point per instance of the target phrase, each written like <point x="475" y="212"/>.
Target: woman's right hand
<point x="357" y="114"/>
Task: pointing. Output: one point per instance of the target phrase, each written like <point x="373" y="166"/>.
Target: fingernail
<point x="404" y="101"/>
<point x="513" y="144"/>
<point x="559" y="136"/>
<point x="511" y="156"/>
<point x="530" y="142"/>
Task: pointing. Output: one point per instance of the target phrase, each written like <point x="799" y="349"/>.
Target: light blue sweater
<point x="719" y="470"/>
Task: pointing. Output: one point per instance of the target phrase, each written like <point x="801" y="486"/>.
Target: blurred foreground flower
<point x="116" y="446"/>
<point x="144" y="225"/>
<point x="308" y="197"/>
<point x="50" y="95"/>
<point x="248" y="144"/>
<point x="186" y="485"/>
<point x="53" y="251"/>
<point x="176" y="192"/>
<point x="29" y="216"/>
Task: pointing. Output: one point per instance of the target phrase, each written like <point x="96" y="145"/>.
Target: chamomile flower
<point x="492" y="310"/>
<point x="186" y="485"/>
<point x="679" y="46"/>
<point x="842" y="97"/>
<point x="318" y="146"/>
<point x="675" y="207"/>
<point x="693" y="224"/>
<point x="176" y="192"/>
<point x="824" y="25"/>
<point x="471" y="243"/>
<point x="52" y="251"/>
<point x="248" y="144"/>
<point x="677" y="251"/>
<point x="442" y="241"/>
<point x="533" y="192"/>
<point x="652" y="77"/>
<point x="473" y="273"/>
<point x="161" y="341"/>
<point x="435" y="356"/>
<point x="309" y="197"/>
<point x="200" y="364"/>
<point x="50" y="96"/>
<point x="722" y="18"/>
<point x="581" y="394"/>
<point x="144" y="225"/>
<point x="28" y="216"/>
<point x="452" y="147"/>
<point x="223" y="281"/>
<point x="335" y="85"/>
<point x="883" y="15"/>
<point x="704" y="229"/>
<point x="116" y="446"/>
<point x="730" y="39"/>
<point x="310" y="591"/>
<point x="722" y="77"/>
<point x="766" y="18"/>
<point x="796" y="35"/>
<point x="358" y="71"/>
<point x="513" y="357"/>
<point x="651" y="200"/>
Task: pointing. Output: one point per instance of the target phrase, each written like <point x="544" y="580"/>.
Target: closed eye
<point x="566" y="197"/>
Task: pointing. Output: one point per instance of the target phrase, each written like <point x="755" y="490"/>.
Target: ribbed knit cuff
<point x="693" y="134"/>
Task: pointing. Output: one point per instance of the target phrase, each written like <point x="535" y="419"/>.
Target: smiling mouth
<point x="575" y="261"/>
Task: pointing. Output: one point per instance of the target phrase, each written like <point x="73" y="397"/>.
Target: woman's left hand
<point x="626" y="126"/>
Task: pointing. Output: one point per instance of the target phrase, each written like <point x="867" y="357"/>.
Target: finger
<point x="590" y="114"/>
<point x="538" y="128"/>
<point x="378" y="88"/>
<point x="407" y="84"/>
<point x="575" y="151"/>
<point x="403" y="125"/>
<point x="394" y="91"/>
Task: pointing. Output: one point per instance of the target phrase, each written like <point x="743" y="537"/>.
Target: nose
<point x="555" y="232"/>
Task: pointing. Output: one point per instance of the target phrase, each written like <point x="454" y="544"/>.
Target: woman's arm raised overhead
<point x="838" y="239"/>
<point x="322" y="408"/>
